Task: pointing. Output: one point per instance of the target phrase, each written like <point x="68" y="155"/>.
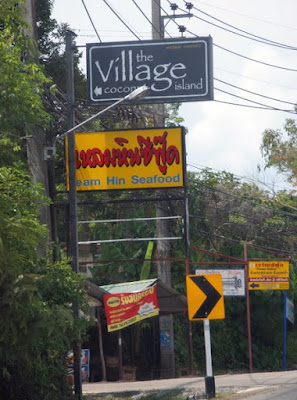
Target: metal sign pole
<point x="210" y="389"/>
<point x="285" y="332"/>
<point x="73" y="241"/>
<point x="248" y="312"/>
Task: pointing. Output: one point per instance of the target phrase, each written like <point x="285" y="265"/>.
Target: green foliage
<point x="279" y="149"/>
<point x="22" y="80"/>
<point x="146" y="266"/>
<point x="37" y="326"/>
<point x="173" y="118"/>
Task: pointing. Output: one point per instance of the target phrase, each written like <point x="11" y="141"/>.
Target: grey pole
<point x="73" y="237"/>
<point x="167" y="361"/>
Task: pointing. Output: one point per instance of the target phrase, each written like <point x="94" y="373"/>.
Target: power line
<point x="123" y="22"/>
<point x="237" y="211"/>
<point x="248" y="58"/>
<point x="171" y="19"/>
<point x="252" y="36"/>
<point x="254" y="79"/>
<point x="240" y="242"/>
<point x="256" y="94"/>
<point x="243" y="198"/>
<point x="251" y="59"/>
<point x="248" y="16"/>
<point x="245" y="105"/>
<point x="270" y="232"/>
<point x="203" y="167"/>
<point x="255" y="102"/>
<point x="91" y="21"/>
<point x="142" y="12"/>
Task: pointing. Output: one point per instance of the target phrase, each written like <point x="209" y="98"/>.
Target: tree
<point x="37" y="326"/>
<point x="279" y="149"/>
<point x="36" y="318"/>
<point x="22" y="81"/>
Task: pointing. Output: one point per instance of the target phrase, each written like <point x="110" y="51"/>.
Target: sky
<point x="220" y="136"/>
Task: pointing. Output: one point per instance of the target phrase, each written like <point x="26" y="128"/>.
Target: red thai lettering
<point x="149" y="150"/>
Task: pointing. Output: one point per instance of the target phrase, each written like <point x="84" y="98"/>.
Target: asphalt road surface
<point x="255" y="386"/>
<point x="276" y="393"/>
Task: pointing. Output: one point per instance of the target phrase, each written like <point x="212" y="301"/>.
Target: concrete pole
<point x="248" y="311"/>
<point x="73" y="235"/>
<point x="167" y="361"/>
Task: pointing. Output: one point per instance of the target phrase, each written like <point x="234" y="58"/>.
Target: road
<point x="255" y="386"/>
<point x="276" y="393"/>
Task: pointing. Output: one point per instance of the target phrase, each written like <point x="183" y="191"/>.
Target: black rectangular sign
<point x="175" y="70"/>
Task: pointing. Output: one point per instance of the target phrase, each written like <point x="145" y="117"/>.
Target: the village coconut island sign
<point x="176" y="70"/>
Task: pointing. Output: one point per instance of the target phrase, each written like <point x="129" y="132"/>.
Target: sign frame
<point x="186" y="84"/>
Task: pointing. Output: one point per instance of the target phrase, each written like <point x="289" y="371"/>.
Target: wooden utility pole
<point x="167" y="362"/>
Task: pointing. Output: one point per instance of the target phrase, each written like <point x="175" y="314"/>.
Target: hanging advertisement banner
<point x="268" y="275"/>
<point x="175" y="70"/>
<point x="129" y="159"/>
<point x="124" y="309"/>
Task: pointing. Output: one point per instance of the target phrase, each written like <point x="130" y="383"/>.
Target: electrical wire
<point x="245" y="105"/>
<point x="253" y="37"/>
<point x="123" y="22"/>
<point x="239" y="212"/>
<point x="240" y="241"/>
<point x="256" y="102"/>
<point x="264" y="239"/>
<point x="244" y="178"/>
<point x="256" y="94"/>
<point x="251" y="59"/>
<point x="142" y="12"/>
<point x="90" y="18"/>
<point x="248" y="58"/>
<point x="241" y="55"/>
<point x="243" y="198"/>
<point x="170" y="17"/>
<point x="254" y="79"/>
<point x="248" y="16"/>
<point x="290" y="229"/>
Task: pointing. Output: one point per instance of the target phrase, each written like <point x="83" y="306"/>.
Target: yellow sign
<point x="130" y="159"/>
<point x="205" y="297"/>
<point x="268" y="275"/>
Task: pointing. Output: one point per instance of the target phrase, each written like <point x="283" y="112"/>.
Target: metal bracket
<point x="49" y="153"/>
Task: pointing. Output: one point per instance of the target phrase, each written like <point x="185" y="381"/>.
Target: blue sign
<point x="290" y="311"/>
<point x="165" y="340"/>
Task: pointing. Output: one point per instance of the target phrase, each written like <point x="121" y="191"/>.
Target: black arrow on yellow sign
<point x="212" y="296"/>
